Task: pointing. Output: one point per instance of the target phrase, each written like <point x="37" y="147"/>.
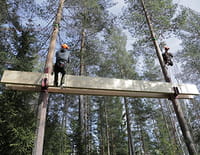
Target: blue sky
<point x="193" y="4"/>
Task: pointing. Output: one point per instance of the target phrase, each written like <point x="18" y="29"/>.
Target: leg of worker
<point x="56" y="75"/>
<point x="62" y="81"/>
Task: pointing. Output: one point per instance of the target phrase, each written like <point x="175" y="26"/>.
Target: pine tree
<point x="17" y="115"/>
<point x="160" y="29"/>
<point x="80" y="25"/>
<point x="88" y="19"/>
<point x="189" y="59"/>
<point x="118" y="64"/>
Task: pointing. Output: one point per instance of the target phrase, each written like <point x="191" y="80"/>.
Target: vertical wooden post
<point x="43" y="100"/>
<point x="41" y="119"/>
<point x="177" y="108"/>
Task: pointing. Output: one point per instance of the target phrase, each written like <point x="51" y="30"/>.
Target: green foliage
<point x="119" y="62"/>
<point x="56" y="140"/>
<point x="163" y="16"/>
<point x="25" y="53"/>
<point x="16" y="123"/>
<point x="166" y="20"/>
<point x="111" y="128"/>
<point x="3" y="11"/>
<point x="104" y="54"/>
<point x="165" y="145"/>
<point x="189" y="57"/>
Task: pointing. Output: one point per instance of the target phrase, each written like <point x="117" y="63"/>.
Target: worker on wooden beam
<point x="62" y="58"/>
<point x="167" y="56"/>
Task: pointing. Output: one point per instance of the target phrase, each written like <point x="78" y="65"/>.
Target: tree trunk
<point x="43" y="99"/>
<point x="177" y="108"/>
<point x="140" y="147"/>
<point x="113" y="147"/>
<point x="86" y="125"/>
<point x="171" y="128"/>
<point x="142" y="140"/>
<point x="131" y="148"/>
<point x="102" y="136"/>
<point x="82" y="99"/>
<point x="107" y="130"/>
<point x="172" y="138"/>
<point x="64" y="123"/>
<point x="174" y="129"/>
<point x="82" y="53"/>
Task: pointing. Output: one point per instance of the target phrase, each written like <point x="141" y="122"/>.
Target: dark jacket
<point x="62" y="54"/>
<point x="167" y="55"/>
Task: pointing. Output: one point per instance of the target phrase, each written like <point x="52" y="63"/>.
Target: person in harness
<point x="167" y="56"/>
<point x="62" y="58"/>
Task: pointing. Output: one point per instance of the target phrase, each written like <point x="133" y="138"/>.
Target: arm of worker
<point x="171" y="55"/>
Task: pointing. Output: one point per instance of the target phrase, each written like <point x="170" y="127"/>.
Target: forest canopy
<point x="98" y="39"/>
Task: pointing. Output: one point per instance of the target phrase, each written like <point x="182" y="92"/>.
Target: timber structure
<point x="83" y="85"/>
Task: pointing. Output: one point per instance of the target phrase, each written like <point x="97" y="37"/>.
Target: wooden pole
<point x="177" y="108"/>
<point x="43" y="99"/>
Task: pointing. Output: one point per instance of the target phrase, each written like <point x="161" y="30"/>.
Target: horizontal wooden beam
<point x="78" y="91"/>
<point x="97" y="86"/>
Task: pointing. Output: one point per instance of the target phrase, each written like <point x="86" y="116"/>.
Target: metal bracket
<point x="176" y="91"/>
<point x="44" y="84"/>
